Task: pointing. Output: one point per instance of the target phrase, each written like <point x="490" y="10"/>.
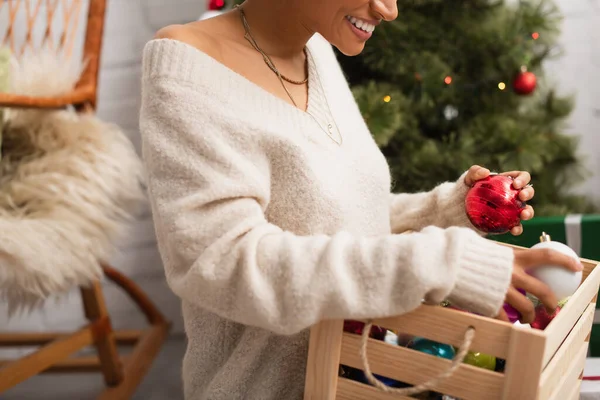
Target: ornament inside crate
<point x="539" y="364"/>
<point x="580" y="232"/>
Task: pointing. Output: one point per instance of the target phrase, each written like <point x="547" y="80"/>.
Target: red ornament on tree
<point x="493" y="204"/>
<point x="525" y="82"/>
<point x="216" y="5"/>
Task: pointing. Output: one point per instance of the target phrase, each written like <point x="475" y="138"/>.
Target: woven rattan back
<point x="57" y="25"/>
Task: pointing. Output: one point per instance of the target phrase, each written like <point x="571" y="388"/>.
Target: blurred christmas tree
<point x="444" y="87"/>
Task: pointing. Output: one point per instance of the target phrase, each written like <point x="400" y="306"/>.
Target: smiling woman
<point x="272" y="201"/>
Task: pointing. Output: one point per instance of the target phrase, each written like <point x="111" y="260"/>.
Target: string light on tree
<point x="387" y="98"/>
<point x="524" y="83"/>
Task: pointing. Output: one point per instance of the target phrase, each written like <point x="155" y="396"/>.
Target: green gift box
<point x="580" y="232"/>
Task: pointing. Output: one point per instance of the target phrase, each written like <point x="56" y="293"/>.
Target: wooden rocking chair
<point x="122" y="374"/>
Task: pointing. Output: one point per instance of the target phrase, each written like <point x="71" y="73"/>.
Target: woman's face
<point x="348" y="24"/>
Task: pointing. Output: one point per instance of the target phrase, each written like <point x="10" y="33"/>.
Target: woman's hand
<point x="521" y="181"/>
<point x="526" y="260"/>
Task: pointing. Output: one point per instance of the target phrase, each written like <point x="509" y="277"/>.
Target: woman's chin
<point x="351" y="49"/>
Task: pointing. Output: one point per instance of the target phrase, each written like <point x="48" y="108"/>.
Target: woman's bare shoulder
<point x="199" y="34"/>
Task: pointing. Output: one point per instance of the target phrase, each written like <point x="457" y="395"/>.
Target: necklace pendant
<point x="330" y="133"/>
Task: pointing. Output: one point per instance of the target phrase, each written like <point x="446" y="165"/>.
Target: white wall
<point x="129" y="25"/>
<point x="578" y="72"/>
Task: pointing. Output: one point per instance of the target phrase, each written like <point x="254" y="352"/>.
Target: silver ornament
<point x="450" y="112"/>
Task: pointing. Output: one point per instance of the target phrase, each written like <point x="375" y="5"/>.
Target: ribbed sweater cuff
<point x="454" y="207"/>
<point x="484" y="275"/>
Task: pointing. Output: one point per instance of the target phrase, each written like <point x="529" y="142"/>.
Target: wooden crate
<point x="540" y="365"/>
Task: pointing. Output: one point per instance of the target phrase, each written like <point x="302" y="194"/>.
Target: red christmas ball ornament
<point x="543" y="318"/>
<point x="215" y="5"/>
<point x="356" y="327"/>
<point x="525" y="82"/>
<point x="493" y="204"/>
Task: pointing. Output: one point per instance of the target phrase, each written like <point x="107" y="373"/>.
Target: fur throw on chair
<point x="70" y="185"/>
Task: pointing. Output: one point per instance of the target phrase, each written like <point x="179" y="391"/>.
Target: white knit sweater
<point x="266" y="226"/>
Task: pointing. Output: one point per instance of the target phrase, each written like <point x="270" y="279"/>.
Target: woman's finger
<point x="522" y="304"/>
<point x="535" y="258"/>
<point x="527" y="213"/>
<point x="537" y="288"/>
<point x="502" y="316"/>
<point x="527" y="193"/>
<point x="521" y="178"/>
<point x="517" y="230"/>
<point x="476" y="173"/>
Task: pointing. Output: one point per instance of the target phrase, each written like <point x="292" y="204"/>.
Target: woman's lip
<point x="374" y="22"/>
<point x="359" y="32"/>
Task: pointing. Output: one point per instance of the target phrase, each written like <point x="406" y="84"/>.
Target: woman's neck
<point x="277" y="27"/>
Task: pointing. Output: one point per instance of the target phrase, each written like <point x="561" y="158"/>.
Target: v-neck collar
<point x="235" y="84"/>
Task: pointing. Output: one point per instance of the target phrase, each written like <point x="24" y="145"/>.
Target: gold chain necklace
<point x="248" y="36"/>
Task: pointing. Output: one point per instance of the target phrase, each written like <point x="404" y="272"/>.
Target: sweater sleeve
<point x="209" y="185"/>
<point x="444" y="206"/>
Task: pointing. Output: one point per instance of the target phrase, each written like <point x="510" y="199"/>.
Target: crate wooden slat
<point x="575" y="392"/>
<point x="350" y="390"/>
<point x="323" y="361"/>
<point x="571" y="376"/>
<point x="558" y="329"/>
<point x="522" y="372"/>
<point x="566" y="353"/>
<point x="410" y="367"/>
<point x="492" y="336"/>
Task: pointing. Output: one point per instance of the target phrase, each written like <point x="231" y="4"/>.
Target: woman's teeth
<point x="360" y="24"/>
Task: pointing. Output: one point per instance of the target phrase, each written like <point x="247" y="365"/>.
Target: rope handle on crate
<point x="456" y="362"/>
